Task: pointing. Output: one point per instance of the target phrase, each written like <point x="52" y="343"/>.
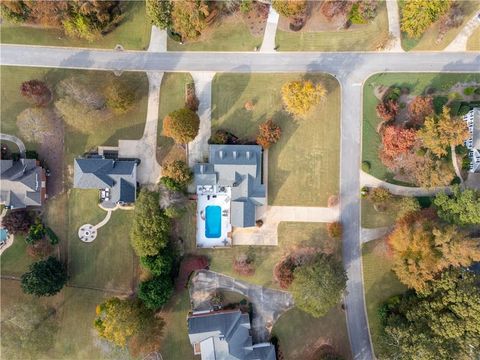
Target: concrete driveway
<point x="268" y="304"/>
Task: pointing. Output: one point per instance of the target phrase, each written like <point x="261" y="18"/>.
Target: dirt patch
<point x="256" y="18"/>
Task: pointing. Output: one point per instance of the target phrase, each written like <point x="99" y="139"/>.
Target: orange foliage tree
<point x="397" y="141"/>
<point x="387" y="110"/>
<point x="419" y="109"/>
<point x="269" y="134"/>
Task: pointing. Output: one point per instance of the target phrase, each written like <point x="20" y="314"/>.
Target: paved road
<point x="350" y="68"/>
<point x="17" y="141"/>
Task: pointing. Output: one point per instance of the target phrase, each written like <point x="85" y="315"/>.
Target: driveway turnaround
<point x="268" y="304"/>
<point x="17" y="141"/>
<point x="350" y="68"/>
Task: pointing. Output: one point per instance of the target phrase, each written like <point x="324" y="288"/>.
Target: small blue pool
<point x="3" y="235"/>
<point x="213" y="221"/>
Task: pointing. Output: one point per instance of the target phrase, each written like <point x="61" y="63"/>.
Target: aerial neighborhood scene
<point x="240" y="179"/>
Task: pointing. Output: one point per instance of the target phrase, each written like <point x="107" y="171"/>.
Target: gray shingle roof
<point x="230" y="331"/>
<point x="120" y="176"/>
<point x="238" y="166"/>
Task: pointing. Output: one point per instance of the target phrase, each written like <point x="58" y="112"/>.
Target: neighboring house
<point x="230" y="188"/>
<point x="115" y="179"/>
<point x="473" y="142"/>
<point x="225" y="335"/>
<point x="22" y="183"/>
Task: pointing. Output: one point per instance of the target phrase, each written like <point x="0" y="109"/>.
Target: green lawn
<point x="133" y="33"/>
<point x="380" y="283"/>
<point x="417" y="83"/>
<point x="15" y="261"/>
<point x="307" y="155"/>
<point x="357" y="38"/>
<point x="226" y="35"/>
<point x="473" y="43"/>
<point x="428" y="41"/>
<point x="109" y="261"/>
<point x="74" y="337"/>
<point x="372" y="218"/>
<point x="300" y="335"/>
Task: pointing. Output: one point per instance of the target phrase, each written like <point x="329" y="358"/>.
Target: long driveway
<point x="350" y="68"/>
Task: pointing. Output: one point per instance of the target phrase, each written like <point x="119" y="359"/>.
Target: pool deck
<point x="214" y="198"/>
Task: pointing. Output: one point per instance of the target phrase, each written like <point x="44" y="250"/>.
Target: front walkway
<point x="394" y="26"/>
<point x="268" y="304"/>
<point x="268" y="43"/>
<point x="460" y="41"/>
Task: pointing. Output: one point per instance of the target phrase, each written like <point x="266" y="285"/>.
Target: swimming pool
<point x="213" y="221"/>
<point x="3" y="235"/>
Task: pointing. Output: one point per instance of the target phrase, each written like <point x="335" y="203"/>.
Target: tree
<point x="189" y="17"/>
<point x="396" y="141"/>
<point x="269" y="134"/>
<point x="419" y="109"/>
<point x="119" y="96"/>
<point x="300" y="96"/>
<point x="422" y="248"/>
<point x="151" y="227"/>
<point x="160" y="264"/>
<point x="181" y="125"/>
<point x="335" y="230"/>
<point x="36" y="92"/>
<point x="336" y="8"/>
<point x="125" y="321"/>
<point x="462" y="208"/>
<point x="160" y="13"/>
<point x="178" y="171"/>
<point x="387" y="109"/>
<point x="406" y="206"/>
<point x="442" y="323"/>
<point x="174" y="212"/>
<point x="18" y="221"/>
<point x="379" y="196"/>
<point x="418" y="15"/>
<point x="440" y="132"/>
<point x="319" y="285"/>
<point x="155" y="292"/>
<point x="37" y="124"/>
<point x="36" y="232"/>
<point x="289" y="8"/>
<point x="44" y="278"/>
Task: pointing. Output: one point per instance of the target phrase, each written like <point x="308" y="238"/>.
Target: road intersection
<point x="350" y="68"/>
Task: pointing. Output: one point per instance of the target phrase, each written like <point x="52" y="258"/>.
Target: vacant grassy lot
<point x="231" y="34"/>
<point x="380" y="283"/>
<point x="133" y="33"/>
<point x="72" y="334"/>
<point x="428" y="41"/>
<point x="307" y="155"/>
<point x="357" y="38"/>
<point x="417" y="84"/>
<point x="473" y="43"/>
<point x="372" y="218"/>
<point x="109" y="261"/>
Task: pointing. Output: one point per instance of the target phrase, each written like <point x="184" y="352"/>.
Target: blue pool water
<point x="213" y="221"/>
<point x="3" y="235"/>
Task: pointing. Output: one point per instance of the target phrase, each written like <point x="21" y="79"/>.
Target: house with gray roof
<point x="472" y="118"/>
<point x="225" y="335"/>
<point x="22" y="183"/>
<point x="116" y="179"/>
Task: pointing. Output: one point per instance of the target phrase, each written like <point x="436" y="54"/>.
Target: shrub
<point x="178" y="171"/>
<point x="464" y="109"/>
<point x="335" y="230"/>
<point x="54" y="240"/>
<point x="175" y="212"/>
<point x="35" y="233"/>
<point x="387" y="110"/>
<point x="269" y="134"/>
<point x="155" y="292"/>
<point x="36" y="92"/>
<point x="245" y="6"/>
<point x="171" y="184"/>
<point x="439" y="102"/>
<point x="469" y="91"/>
<point x="366" y="166"/>
<point x="379" y="196"/>
<point x="181" y="125"/>
<point x="477" y="91"/>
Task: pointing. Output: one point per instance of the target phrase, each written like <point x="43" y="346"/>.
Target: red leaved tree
<point x="397" y="141"/>
<point x="36" y="91"/>
<point x="387" y="110"/>
<point x="269" y="134"/>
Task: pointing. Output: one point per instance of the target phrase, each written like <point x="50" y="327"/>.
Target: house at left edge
<point x="22" y="184"/>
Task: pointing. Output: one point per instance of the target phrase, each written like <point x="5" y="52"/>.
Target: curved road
<point x="16" y="140"/>
<point x="350" y="68"/>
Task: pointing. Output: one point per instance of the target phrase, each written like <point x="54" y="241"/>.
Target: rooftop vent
<point x="249" y="154"/>
<point x="221" y="154"/>
<point x="202" y="168"/>
<point x="234" y="153"/>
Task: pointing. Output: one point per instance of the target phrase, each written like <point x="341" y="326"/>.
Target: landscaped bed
<point x="304" y="164"/>
<point x="316" y="35"/>
<point x="133" y="33"/>
<point x="445" y="88"/>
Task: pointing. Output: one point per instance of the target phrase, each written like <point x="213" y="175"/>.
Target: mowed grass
<point x="15" y="261"/>
<point x="473" y="43"/>
<point x="109" y="261"/>
<point x="303" y="167"/>
<point x="133" y="33"/>
<point x="129" y="125"/>
<point x="372" y="218"/>
<point x="428" y="41"/>
<point x="357" y="38"/>
<point x="417" y="83"/>
<point x="231" y="34"/>
<point x="380" y="283"/>
<point x="74" y="337"/>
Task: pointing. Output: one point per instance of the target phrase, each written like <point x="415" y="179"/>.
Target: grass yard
<point x="92" y="265"/>
<point x="300" y="335"/>
<point x="473" y="43"/>
<point x="74" y="337"/>
<point x="417" y="83"/>
<point x="380" y="283"/>
<point x="428" y="41"/>
<point x="133" y="33"/>
<point x="231" y="34"/>
<point x="372" y="218"/>
<point x="357" y="38"/>
<point x="15" y="260"/>
<point x="307" y="155"/>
